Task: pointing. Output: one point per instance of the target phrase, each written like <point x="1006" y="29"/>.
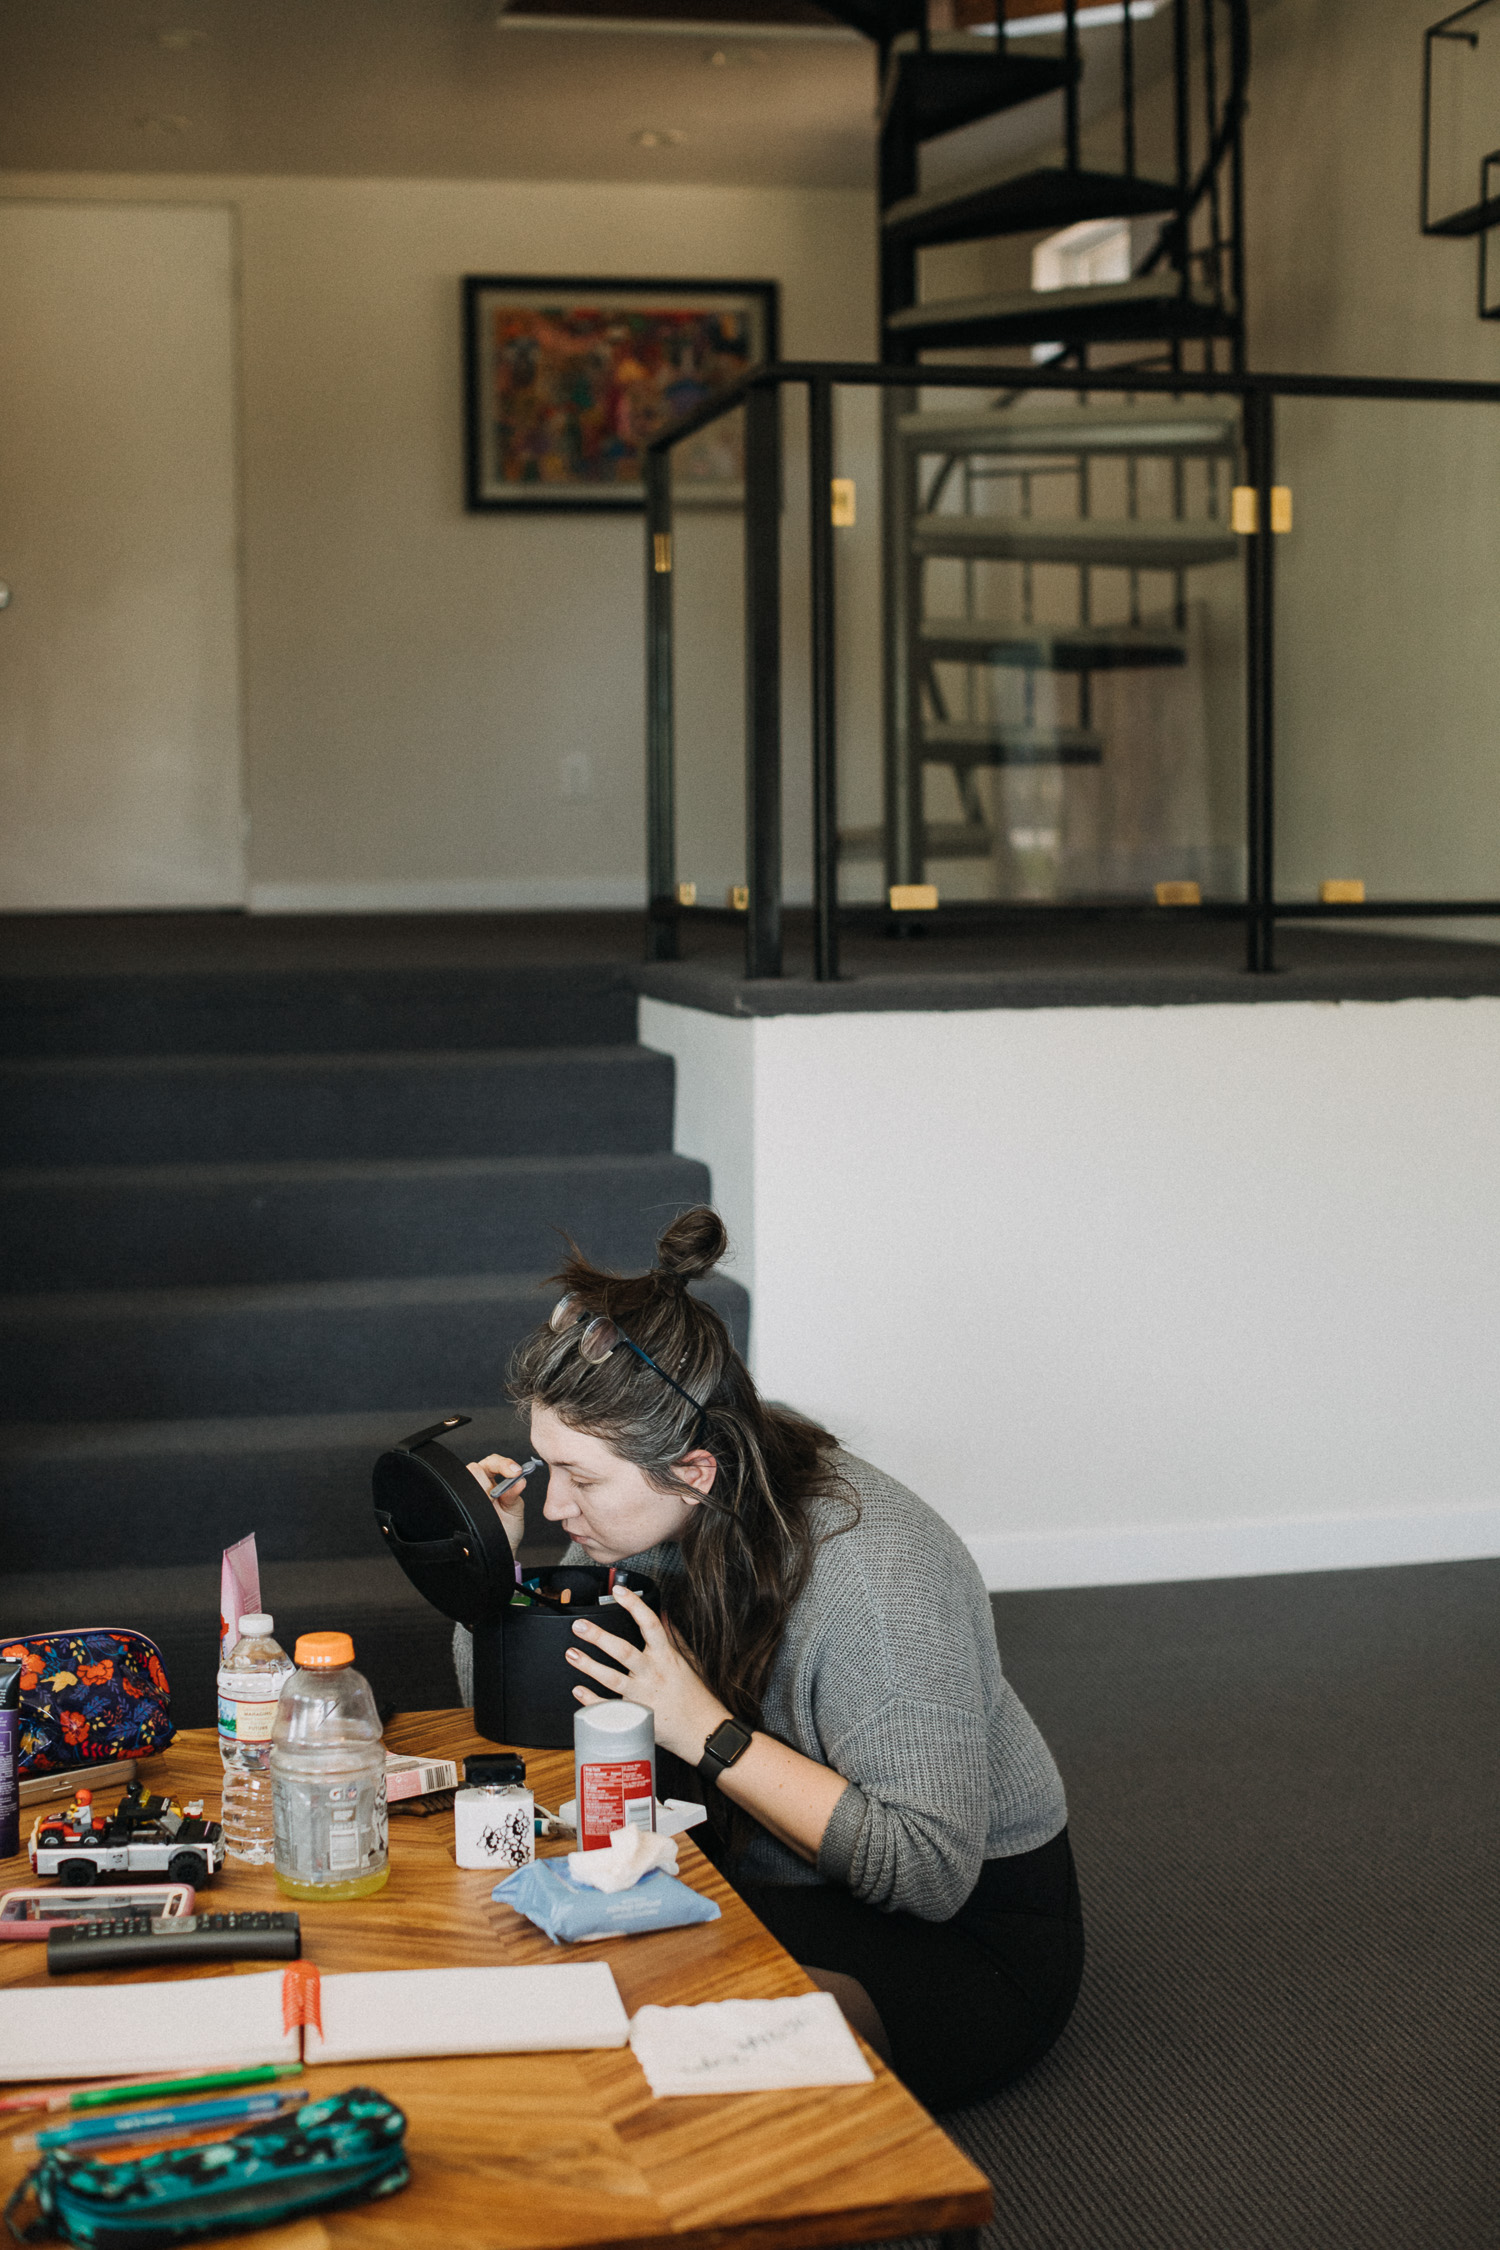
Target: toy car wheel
<point x="78" y="1874"/>
<point x="187" y="1867"/>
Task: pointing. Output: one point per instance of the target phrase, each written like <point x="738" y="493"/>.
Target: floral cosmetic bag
<point x="98" y="1692"/>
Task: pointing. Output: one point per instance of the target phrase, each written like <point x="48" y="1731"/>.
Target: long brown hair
<point x="748" y="1547"/>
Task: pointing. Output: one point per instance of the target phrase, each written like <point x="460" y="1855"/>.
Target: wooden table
<point x="559" y="2151"/>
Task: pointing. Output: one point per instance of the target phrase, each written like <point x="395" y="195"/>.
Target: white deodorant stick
<point x="614" y="1768"/>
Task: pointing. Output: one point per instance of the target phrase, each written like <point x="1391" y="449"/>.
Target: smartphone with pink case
<point x="32" y="1913"/>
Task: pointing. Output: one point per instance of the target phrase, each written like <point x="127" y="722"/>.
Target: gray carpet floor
<point x="1283" y="1799"/>
<point x="1025" y="963"/>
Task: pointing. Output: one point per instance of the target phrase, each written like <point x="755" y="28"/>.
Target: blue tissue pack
<point x="572" y="1913"/>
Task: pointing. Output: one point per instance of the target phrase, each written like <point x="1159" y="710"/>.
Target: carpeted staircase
<point x="256" y="1224"/>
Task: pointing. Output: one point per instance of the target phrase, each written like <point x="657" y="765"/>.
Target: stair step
<point x="282" y="1011"/>
<point x="1154" y="427"/>
<point x="341" y="1347"/>
<point x="188" y="1489"/>
<point x="158" y="1226"/>
<point x="1022" y="203"/>
<point x="285" y="1107"/>
<point x="1152" y="305"/>
<point x="1128" y="544"/>
<point x="977" y="742"/>
<point x="1053" y="648"/>
<point x="402" y="1646"/>
<point x="958" y="81"/>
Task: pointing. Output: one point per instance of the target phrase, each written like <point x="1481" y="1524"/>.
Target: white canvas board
<point x="76" y="2030"/>
<point x="383" y="2015"/>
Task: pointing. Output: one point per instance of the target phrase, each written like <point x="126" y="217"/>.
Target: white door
<point x="119" y="647"/>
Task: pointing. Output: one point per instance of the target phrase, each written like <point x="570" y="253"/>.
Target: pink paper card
<point x="239" y="1589"/>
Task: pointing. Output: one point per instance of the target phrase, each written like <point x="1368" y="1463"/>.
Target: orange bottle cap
<point x="320" y="1652"/>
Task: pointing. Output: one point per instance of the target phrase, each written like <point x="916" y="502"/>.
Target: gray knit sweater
<point x="888" y="1672"/>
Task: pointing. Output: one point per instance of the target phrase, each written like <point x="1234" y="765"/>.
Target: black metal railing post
<point x="1260" y="802"/>
<point x="763" y="679"/>
<point x="825" y="803"/>
<point x="901" y="610"/>
<point x="1127" y="85"/>
<point x="661" y="806"/>
<point x="1238" y="70"/>
<point x="1182" y="145"/>
<point x="1073" y="57"/>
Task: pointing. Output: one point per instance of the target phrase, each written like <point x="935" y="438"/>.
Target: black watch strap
<point x="728" y="1741"/>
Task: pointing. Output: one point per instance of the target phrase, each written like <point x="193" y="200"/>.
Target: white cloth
<point x="629" y="1854"/>
<point x="747" y="2046"/>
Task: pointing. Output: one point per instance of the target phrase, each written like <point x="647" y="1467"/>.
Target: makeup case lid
<point x="439" y="1523"/>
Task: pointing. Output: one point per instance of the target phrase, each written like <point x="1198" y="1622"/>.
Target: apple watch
<point x="728" y="1741"/>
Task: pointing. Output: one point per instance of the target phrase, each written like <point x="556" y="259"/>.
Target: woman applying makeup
<point x="825" y="1659"/>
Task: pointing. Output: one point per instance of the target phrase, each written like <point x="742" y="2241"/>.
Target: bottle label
<point x="329" y="1831"/>
<point x="245" y="1713"/>
<point x="617" y="1795"/>
<point x="494" y="1828"/>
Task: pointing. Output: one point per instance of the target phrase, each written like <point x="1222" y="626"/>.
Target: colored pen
<point x="63" y="2097"/>
<point x="152" y="2089"/>
<point x="173" y="2121"/>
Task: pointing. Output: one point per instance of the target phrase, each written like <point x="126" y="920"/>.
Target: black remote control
<point x="144" y="1941"/>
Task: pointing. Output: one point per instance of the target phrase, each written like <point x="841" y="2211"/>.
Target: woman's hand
<point x="493" y="1473"/>
<point x="791" y="1795"/>
<point x="659" y="1675"/>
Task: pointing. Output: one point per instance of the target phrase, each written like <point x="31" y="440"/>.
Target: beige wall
<point x="415" y="676"/>
<point x="1388" y="660"/>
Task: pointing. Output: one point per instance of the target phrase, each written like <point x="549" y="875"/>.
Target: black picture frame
<point x="530" y="477"/>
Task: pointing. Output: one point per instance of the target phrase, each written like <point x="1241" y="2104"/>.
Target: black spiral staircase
<point x="1131" y="114"/>
<point x="1176" y="160"/>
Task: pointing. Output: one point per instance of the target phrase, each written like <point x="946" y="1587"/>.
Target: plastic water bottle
<point x="328" y="1776"/>
<point x="250" y="1680"/>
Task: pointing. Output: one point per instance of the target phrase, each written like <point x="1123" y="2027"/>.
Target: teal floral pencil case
<point x="342" y="2150"/>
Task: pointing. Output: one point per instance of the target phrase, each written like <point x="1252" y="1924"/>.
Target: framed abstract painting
<point x="567" y="380"/>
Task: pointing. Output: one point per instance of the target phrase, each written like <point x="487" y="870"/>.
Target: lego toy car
<point x="143" y="1835"/>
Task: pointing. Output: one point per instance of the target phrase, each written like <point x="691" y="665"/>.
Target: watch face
<point x="728" y="1739"/>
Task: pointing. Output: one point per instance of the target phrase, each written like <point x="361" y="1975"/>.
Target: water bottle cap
<point x="255" y="1624"/>
<point x="320" y="1652"/>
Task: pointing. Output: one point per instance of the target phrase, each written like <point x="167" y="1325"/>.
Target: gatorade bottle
<point x="328" y="1776"/>
<point x="250" y="1682"/>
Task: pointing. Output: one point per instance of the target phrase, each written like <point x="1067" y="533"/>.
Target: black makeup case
<point x="442" y="1529"/>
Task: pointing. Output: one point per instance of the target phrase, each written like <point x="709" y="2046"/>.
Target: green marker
<point x="106" y="2097"/>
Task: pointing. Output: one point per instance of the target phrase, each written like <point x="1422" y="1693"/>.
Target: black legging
<point x="967" y="2004"/>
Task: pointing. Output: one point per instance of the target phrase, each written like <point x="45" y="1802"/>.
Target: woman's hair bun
<point x="692" y="1245"/>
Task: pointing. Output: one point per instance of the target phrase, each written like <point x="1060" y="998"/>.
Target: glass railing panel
<point x="708" y="683"/>
<point x="857" y="507"/>
<point x="1069" y="601"/>
<point x="1387" y="659"/>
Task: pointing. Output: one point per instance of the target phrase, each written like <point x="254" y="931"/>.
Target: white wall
<point x="120" y="762"/>
<point x="1128" y="1293"/>
<point x="415" y="676"/>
